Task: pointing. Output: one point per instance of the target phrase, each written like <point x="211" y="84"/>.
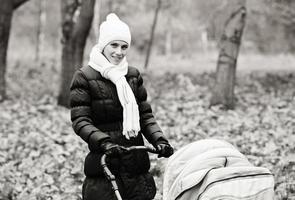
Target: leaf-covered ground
<point x="42" y="158"/>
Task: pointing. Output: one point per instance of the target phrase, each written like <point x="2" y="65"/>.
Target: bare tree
<point x="152" y="34"/>
<point x="6" y="11"/>
<point x="223" y="92"/>
<point x="76" y="23"/>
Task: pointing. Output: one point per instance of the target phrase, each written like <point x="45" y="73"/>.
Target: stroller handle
<point x="128" y="149"/>
<point x="141" y="148"/>
<point x="109" y="174"/>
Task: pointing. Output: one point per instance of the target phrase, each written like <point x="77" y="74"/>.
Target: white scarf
<point x="116" y="74"/>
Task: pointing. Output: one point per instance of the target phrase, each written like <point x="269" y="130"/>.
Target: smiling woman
<point x="109" y="109"/>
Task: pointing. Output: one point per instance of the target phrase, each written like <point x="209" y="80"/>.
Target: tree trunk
<point x="97" y="19"/>
<point x="223" y="92"/>
<point x="168" y="37"/>
<point x="6" y="12"/>
<point x="168" y="43"/>
<point x="75" y="33"/>
<point x="152" y="34"/>
<point x="40" y="27"/>
<point x="286" y="17"/>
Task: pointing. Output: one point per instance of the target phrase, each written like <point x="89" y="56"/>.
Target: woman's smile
<point x="117" y="59"/>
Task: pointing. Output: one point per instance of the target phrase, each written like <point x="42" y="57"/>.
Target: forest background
<point x="42" y="158"/>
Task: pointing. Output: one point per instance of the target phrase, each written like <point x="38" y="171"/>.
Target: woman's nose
<point x="118" y="51"/>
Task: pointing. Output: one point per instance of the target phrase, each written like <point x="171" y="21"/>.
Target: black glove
<point x="164" y="149"/>
<point x="111" y="149"/>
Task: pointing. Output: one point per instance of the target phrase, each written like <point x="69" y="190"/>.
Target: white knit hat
<point x="113" y="29"/>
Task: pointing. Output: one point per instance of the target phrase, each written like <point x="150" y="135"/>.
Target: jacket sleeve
<point x="80" y="104"/>
<point x="148" y="123"/>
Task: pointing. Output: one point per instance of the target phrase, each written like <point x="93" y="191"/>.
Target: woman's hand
<point x="164" y="149"/>
<point x="111" y="149"/>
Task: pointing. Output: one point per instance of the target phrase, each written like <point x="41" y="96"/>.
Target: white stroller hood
<point x="215" y="163"/>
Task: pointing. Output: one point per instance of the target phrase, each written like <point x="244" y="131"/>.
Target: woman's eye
<point x="114" y="45"/>
<point x="124" y="47"/>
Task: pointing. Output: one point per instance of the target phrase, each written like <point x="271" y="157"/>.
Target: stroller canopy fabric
<point x="198" y="165"/>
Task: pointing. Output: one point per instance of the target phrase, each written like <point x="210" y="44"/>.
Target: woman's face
<point x="115" y="51"/>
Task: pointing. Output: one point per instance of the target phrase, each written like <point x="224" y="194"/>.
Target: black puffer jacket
<point x="96" y="114"/>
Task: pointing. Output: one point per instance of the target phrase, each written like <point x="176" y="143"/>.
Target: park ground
<point x="42" y="158"/>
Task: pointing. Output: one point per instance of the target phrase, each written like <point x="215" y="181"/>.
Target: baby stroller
<point x="209" y="170"/>
<point x="213" y="170"/>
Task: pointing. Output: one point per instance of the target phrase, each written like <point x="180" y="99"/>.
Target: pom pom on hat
<point x="112" y="16"/>
<point x="113" y="29"/>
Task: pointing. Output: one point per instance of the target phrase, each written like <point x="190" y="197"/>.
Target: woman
<point x="109" y="110"/>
